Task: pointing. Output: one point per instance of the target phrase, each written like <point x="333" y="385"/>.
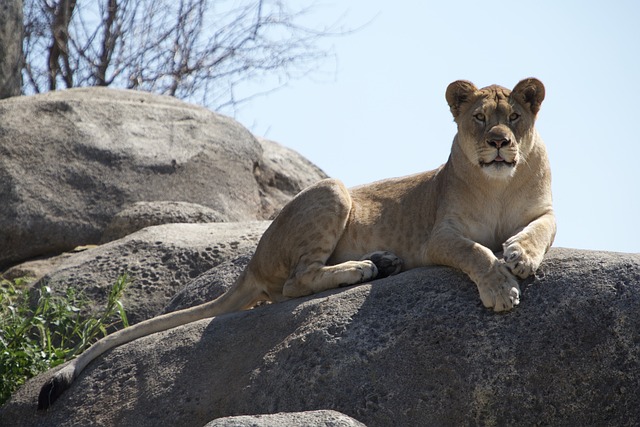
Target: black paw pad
<point x="387" y="263"/>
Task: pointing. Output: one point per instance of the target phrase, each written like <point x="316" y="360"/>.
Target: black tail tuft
<point x="51" y="390"/>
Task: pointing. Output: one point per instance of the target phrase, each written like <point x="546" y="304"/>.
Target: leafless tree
<point x="199" y="50"/>
<point x="10" y="47"/>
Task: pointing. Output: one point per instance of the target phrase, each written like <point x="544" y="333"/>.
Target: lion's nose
<point x="499" y="142"/>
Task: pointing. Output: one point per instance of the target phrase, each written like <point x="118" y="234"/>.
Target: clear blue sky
<point x="381" y="112"/>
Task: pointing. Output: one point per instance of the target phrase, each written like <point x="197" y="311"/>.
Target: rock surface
<point x="37" y="268"/>
<point x="160" y="260"/>
<point x="146" y="214"/>
<point x="289" y="419"/>
<point x="413" y="349"/>
<point x="71" y="160"/>
<point x="282" y="174"/>
<point x="210" y="284"/>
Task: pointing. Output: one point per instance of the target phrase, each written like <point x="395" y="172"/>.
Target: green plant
<point x="34" y="340"/>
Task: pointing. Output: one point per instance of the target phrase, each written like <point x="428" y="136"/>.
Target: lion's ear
<point x="458" y="93"/>
<point x="529" y="92"/>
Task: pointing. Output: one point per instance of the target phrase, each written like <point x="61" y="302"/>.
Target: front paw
<point x="518" y="260"/>
<point x="499" y="290"/>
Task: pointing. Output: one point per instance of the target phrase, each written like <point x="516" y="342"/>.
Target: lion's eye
<point x="513" y="117"/>
<point x="479" y="117"/>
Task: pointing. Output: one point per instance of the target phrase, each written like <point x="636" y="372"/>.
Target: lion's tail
<point x="242" y="295"/>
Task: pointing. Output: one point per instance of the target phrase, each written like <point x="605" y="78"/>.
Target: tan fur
<point x="493" y="194"/>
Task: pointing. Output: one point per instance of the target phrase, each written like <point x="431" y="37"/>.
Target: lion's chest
<point x="491" y="227"/>
<point x="486" y="234"/>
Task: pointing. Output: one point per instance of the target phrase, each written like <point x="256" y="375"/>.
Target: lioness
<point x="494" y="193"/>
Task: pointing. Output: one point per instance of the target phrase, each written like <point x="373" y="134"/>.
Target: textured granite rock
<point x="71" y="160"/>
<point x="146" y="214"/>
<point x="289" y="419"/>
<point x="414" y="349"/>
<point x="159" y="260"/>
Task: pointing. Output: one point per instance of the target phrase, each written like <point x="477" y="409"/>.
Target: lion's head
<point x="495" y="125"/>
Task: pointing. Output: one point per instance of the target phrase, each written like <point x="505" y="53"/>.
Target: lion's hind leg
<point x="317" y="277"/>
<point x="386" y="262"/>
<point x="292" y="254"/>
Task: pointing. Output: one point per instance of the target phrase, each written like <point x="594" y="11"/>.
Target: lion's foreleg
<point x="524" y="252"/>
<point x="498" y="288"/>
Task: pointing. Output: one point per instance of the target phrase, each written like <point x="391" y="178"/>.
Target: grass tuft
<point x="35" y="340"/>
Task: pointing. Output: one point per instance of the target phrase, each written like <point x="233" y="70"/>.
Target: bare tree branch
<point x="198" y="50"/>
<point x="110" y="34"/>
<point x="60" y="13"/>
<point x="11" y="59"/>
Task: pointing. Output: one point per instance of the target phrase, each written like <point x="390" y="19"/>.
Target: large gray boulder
<point x="146" y="214"/>
<point x="210" y="284"/>
<point x="413" y="349"/>
<point x="283" y="173"/>
<point x="159" y="260"/>
<point x="71" y="160"/>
